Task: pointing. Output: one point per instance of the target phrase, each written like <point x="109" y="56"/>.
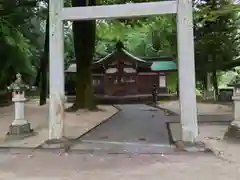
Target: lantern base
<point x="233" y="131"/>
<point x="20" y="129"/>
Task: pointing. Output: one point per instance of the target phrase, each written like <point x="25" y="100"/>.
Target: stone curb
<point x="66" y="143"/>
<point x="198" y="146"/>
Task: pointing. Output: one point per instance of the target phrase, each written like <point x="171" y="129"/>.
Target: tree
<point x="44" y="62"/>
<point x="216" y="41"/>
<point x="42" y="77"/>
<point x="84" y="46"/>
<point x="18" y="40"/>
<point x="41" y="80"/>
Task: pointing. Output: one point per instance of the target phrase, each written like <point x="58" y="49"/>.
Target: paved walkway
<point x="134" y="123"/>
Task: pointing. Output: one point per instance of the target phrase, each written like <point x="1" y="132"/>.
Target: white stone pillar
<point x="209" y="81"/>
<point x="186" y="70"/>
<point x="19" y="101"/>
<point x="56" y="52"/>
<point x="236" y="102"/>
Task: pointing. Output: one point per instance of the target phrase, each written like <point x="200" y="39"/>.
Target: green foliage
<point x="154" y="37"/>
<point x="172" y="79"/>
<point x="226" y="78"/>
<point x="216" y="38"/>
<point x="18" y="45"/>
<point x="68" y="45"/>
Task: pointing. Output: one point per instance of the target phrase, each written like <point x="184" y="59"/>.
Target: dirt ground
<point x="75" y="124"/>
<point x="202" y="108"/>
<point x="39" y="165"/>
<point x="51" y="166"/>
<point x="223" y="164"/>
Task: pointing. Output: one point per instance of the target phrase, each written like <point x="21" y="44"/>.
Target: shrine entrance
<point x="121" y="79"/>
<point x="186" y="66"/>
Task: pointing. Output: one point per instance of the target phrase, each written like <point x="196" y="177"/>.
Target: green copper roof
<point x="164" y="66"/>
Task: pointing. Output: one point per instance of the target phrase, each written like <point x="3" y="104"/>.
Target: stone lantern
<point x="234" y="128"/>
<point x="20" y="125"/>
<point x="236" y="101"/>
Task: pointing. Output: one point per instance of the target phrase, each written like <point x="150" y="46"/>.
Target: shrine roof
<point x="164" y="66"/>
<point x="159" y="58"/>
<point x="162" y="63"/>
<point x="154" y="66"/>
<point x="119" y="49"/>
<point x="142" y="61"/>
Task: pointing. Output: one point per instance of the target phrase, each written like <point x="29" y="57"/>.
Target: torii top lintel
<point x="118" y="11"/>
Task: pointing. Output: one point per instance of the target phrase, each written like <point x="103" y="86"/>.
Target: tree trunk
<point x="214" y="76"/>
<point x="84" y="46"/>
<point x="44" y="67"/>
<point x="215" y="84"/>
<point x="208" y="92"/>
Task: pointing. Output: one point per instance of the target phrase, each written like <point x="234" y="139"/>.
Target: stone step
<point x="122" y="147"/>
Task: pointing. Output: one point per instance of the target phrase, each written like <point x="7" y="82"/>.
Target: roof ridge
<point x="132" y="56"/>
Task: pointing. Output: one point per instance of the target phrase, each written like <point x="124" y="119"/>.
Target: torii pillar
<point x="186" y="71"/>
<point x="56" y="75"/>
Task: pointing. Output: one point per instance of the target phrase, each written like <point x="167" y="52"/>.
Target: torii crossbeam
<point x="186" y="67"/>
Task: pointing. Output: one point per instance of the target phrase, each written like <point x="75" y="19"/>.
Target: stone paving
<point x="137" y="123"/>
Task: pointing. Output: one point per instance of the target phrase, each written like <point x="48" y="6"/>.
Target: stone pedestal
<point x="233" y="131"/>
<point x="19" y="126"/>
<point x="209" y="95"/>
<point x="18" y="130"/>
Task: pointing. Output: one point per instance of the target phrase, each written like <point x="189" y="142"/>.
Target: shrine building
<point x="121" y="74"/>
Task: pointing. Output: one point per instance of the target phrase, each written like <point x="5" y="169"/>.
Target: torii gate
<point x="186" y="67"/>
